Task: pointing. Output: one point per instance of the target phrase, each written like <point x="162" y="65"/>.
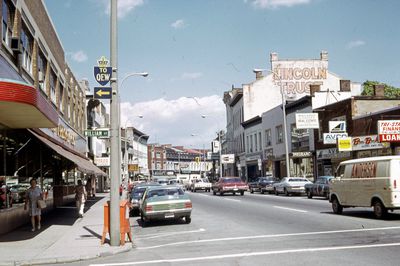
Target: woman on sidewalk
<point x="33" y="194"/>
<point x="80" y="197"/>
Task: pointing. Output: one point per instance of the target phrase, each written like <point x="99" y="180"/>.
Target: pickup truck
<point x="262" y="185"/>
<point x="319" y="188"/>
<point x="200" y="184"/>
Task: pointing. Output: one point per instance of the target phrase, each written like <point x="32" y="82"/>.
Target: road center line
<point x="251" y="254"/>
<point x="269" y="236"/>
<point x="290" y="209"/>
<point x="144" y="237"/>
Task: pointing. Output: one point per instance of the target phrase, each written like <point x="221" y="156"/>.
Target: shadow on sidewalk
<point x="65" y="215"/>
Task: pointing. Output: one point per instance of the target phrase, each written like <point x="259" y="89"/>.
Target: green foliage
<point x="390" y="91"/>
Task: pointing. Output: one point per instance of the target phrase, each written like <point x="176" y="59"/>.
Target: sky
<point x="194" y="50"/>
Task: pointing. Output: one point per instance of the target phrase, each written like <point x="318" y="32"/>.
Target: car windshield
<point x="139" y="190"/>
<point x="297" y="180"/>
<point x="164" y="192"/>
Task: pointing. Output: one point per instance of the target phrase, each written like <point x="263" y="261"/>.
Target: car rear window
<point x="231" y="180"/>
<point x="297" y="179"/>
<point x="165" y="192"/>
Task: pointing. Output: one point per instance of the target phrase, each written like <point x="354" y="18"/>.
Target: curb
<point x="123" y="249"/>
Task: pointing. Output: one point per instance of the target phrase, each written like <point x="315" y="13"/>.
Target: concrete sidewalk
<point x="63" y="237"/>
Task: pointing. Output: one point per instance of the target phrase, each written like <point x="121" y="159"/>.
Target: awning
<point x="83" y="164"/>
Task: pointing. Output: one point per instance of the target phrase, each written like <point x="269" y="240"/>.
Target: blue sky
<point x="201" y="48"/>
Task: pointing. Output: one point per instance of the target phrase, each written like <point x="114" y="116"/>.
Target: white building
<point x="135" y="160"/>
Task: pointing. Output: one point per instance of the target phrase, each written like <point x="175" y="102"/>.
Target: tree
<point x="390" y="91"/>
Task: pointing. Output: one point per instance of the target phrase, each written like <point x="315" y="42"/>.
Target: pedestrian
<point x="80" y="197"/>
<point x="88" y="187"/>
<point x="33" y="194"/>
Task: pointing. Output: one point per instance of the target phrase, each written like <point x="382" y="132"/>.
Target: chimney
<point x="273" y="56"/>
<point x="344" y="85"/>
<point x="379" y="90"/>
<point x="259" y="73"/>
<point x="324" y="55"/>
<point x="314" y="88"/>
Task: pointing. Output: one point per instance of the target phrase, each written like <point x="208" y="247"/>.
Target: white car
<point x="200" y="184"/>
<point x="291" y="185"/>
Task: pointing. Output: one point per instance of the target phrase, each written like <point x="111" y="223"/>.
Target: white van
<point x="367" y="182"/>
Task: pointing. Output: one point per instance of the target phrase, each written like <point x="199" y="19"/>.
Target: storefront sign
<point x="301" y="154"/>
<point x="337" y="126"/>
<point x="331" y="153"/>
<point x="65" y="134"/>
<point x="227" y="158"/>
<point x="307" y="120"/>
<point x="345" y="144"/>
<point x="368" y="143"/>
<point x="389" y="130"/>
<point x="331" y="138"/>
<point x="102" y="161"/>
<point x="133" y="167"/>
<point x="215" y="146"/>
<point x="253" y="158"/>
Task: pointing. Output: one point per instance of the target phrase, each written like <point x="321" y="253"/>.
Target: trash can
<point x="124" y="225"/>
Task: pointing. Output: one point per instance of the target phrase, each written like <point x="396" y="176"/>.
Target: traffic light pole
<point x="115" y="166"/>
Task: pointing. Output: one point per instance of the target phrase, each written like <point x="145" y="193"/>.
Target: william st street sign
<point x="99" y="133"/>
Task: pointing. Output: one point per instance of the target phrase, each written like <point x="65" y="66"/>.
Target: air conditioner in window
<point x="16" y="44"/>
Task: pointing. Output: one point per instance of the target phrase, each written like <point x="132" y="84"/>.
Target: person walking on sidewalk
<point x="80" y="197"/>
<point x="33" y="194"/>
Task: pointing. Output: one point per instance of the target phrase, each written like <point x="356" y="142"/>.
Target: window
<point x="62" y="98"/>
<point x="53" y="80"/>
<point x="158" y="155"/>
<point x="256" y="142"/>
<point x="251" y="143"/>
<point x="248" y="144"/>
<point x="279" y="134"/>
<point x="8" y="19"/>
<point x="268" y="140"/>
<point x="42" y="67"/>
<point x="27" y="48"/>
<point x="259" y="141"/>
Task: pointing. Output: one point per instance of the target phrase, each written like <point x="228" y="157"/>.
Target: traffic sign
<point x="97" y="133"/>
<point x="102" y="74"/>
<point x="102" y="93"/>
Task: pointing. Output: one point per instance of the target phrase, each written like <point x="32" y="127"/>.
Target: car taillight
<point x="188" y="205"/>
<point x="394" y="183"/>
<point x="149" y="208"/>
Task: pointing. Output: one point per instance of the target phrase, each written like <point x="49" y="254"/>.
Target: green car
<point x="165" y="203"/>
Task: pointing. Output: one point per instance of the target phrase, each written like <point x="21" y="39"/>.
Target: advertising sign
<point x="344" y="144"/>
<point x="227" y="158"/>
<point x="337" y="126"/>
<point x="102" y="161"/>
<point x="389" y="130"/>
<point x="133" y="167"/>
<point x="215" y="146"/>
<point x="307" y="120"/>
<point x="331" y="153"/>
<point x="368" y="143"/>
<point x="331" y="138"/>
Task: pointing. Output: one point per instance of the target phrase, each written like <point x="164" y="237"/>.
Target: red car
<point x="229" y="185"/>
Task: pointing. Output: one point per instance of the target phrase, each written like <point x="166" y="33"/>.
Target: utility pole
<point x="115" y="167"/>
<point x="220" y="148"/>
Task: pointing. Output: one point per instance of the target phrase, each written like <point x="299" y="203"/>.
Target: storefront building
<point x="42" y="113"/>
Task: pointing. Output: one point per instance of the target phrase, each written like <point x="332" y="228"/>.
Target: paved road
<point x="257" y="229"/>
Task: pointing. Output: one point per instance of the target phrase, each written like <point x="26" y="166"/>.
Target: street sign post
<point x="102" y="93"/>
<point x="97" y="133"/>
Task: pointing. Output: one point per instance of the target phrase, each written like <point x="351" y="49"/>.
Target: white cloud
<point x="179" y="24"/>
<point x="355" y="44"/>
<point x="124" y="6"/>
<point x="193" y="75"/>
<point x="173" y="121"/>
<point x="271" y="4"/>
<point x="79" y="56"/>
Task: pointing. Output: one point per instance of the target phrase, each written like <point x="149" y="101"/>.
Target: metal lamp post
<point x="220" y="147"/>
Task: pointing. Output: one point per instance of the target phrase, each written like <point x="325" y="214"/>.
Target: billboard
<point x="307" y="120"/>
<point x="389" y="130"/>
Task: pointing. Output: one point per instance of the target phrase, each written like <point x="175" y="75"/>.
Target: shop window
<point x="279" y="134"/>
<point x="27" y="50"/>
<point x="8" y="18"/>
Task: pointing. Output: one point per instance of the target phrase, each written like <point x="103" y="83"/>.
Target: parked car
<point x="291" y="185"/>
<point x="165" y="203"/>
<point x="262" y="185"/>
<point x="319" y="188"/>
<point x="18" y="192"/>
<point x="368" y="182"/>
<point x="176" y="182"/>
<point x="136" y="194"/>
<point x="200" y="184"/>
<point x="229" y="185"/>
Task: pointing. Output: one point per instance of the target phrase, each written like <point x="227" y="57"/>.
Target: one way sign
<point x="102" y="93"/>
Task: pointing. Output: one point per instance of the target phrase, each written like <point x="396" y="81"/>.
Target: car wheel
<point x="221" y="193"/>
<point x="309" y="194"/>
<point x="214" y="192"/>
<point x="262" y="191"/>
<point x="276" y="191"/>
<point x="234" y="193"/>
<point x="194" y="190"/>
<point x="326" y="195"/>
<point x="336" y="207"/>
<point x="251" y="191"/>
<point x="286" y="192"/>
<point x="241" y="193"/>
<point x="379" y="210"/>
